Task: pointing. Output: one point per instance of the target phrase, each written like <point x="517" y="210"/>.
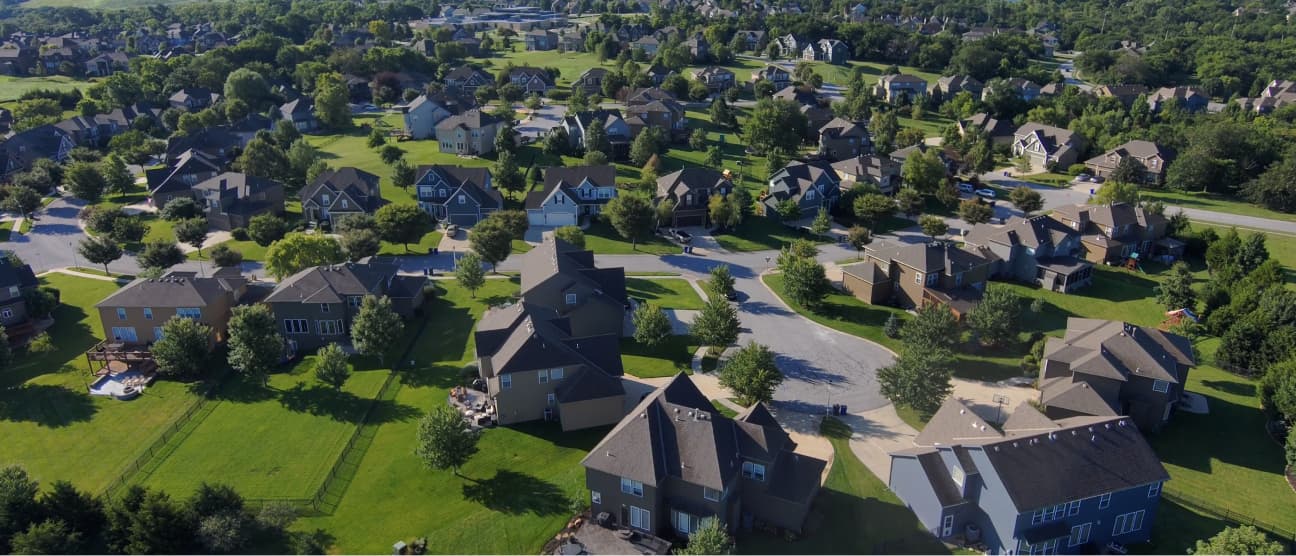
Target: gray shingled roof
<point x="334" y="283"/>
<point x="175" y="289"/>
<point x="1119" y="350"/>
<point x="927" y="257"/>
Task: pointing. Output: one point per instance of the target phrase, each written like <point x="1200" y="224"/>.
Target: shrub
<point x="128" y="229"/>
<point x="180" y="208"/>
<point x="239" y="234"/>
<point x="892" y="327"/>
<point x="1076" y="169"/>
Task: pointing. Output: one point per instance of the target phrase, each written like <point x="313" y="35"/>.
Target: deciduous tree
<point x="975" y="211"/>
<point x="161" y="255"/>
<point x="571" y="234"/>
<point x="996" y="318"/>
<point x="1176" y="290"/>
<point x="192" y="231"/>
<point x="1026" y="199"/>
<point x="376" y="327"/>
<point x="443" y="442"/>
<point x="933" y="225"/>
<point x="99" y="250"/>
<point x="298" y="251"/>
<point x="631" y="215"/>
<point x="651" y="325"/>
<point x="469" y="273"/>
<point x="402" y="223"/>
<point x="255" y="346"/>
<point x="751" y="374"/>
<point x="717" y="323"/>
<point x="184" y="349"/>
<point x="331" y="366"/>
<point x="1242" y="539"/>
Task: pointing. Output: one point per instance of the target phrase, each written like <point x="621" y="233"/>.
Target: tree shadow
<point x="434" y="376"/>
<point x="516" y="493"/>
<point x="1116" y="286"/>
<point x="46" y="405"/>
<point x="1232" y="433"/>
<point x="1230" y="387"/>
<point x="244" y="389"/>
<point x="340" y="405"/>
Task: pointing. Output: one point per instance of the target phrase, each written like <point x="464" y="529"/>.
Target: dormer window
<point x="571" y="299"/>
<point x="441" y="192"/>
<point x="325" y="198"/>
<point x="957" y="475"/>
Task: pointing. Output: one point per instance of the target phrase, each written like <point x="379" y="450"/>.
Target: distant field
<point x="12" y="87"/>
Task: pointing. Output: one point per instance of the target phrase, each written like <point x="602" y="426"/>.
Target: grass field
<point x="601" y="238"/>
<point x="667" y="293"/>
<point x="424" y="246"/>
<point x="250" y="250"/>
<point x="52" y="427"/>
<point x="860" y="515"/>
<point x="13" y="87"/>
<point x="1217" y="203"/>
<point x="287" y="436"/>
<point x="666" y="359"/>
<point x="1052" y="179"/>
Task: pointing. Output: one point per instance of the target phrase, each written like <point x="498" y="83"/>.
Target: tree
<point x="721" y="114"/>
<point x="1243" y="539"/>
<point x="52" y="536"/>
<point x="631" y="215"/>
<point x="1253" y="253"/>
<point x="376" y="327"/>
<point x="443" y="441"/>
<point x="360" y="243"/>
<point x="644" y="147"/>
<point x="180" y="208"/>
<point x="40" y="301"/>
<point x="506" y="139"/>
<point x="376" y="139"/>
<point x="910" y="201"/>
<point x="160" y="254"/>
<point x="298" y="251"/>
<point x="651" y="325"/>
<point x="975" y="211"/>
<point x="224" y="256"/>
<point x="933" y="225"/>
<point x="717" y="323"/>
<point x="85" y="181"/>
<point x="6" y="357"/>
<point x="924" y="171"/>
<point x="390" y="154"/>
<point x="788" y="209"/>
<point x="81" y="511"/>
<point x="1113" y="192"/>
<point x="710" y="538"/>
<point x="714" y="158"/>
<point x="184" y="349"/>
<point x="18" y="508"/>
<point x="1026" y="199"/>
<point x="507" y="174"/>
<point x="402" y="223"/>
<point x="1275" y="189"/>
<point x="858" y="237"/>
<point x="469" y="272"/>
<point x="594" y="158"/>
<point x="267" y="228"/>
<point x="571" y="234"/>
<point x="99" y="250"/>
<point x="884" y="125"/>
<point x="872" y="208"/>
<point x="751" y="374"/>
<point x="255" y="346"/>
<point x="798" y="249"/>
<point x="697" y="140"/>
<point x="403" y="174"/>
<point x="805" y="282"/>
<point x="933" y="327"/>
<point x="490" y="239"/>
<point x="821" y="223"/>
<point x="331" y="366"/>
<point x="192" y="231"/>
<point x="22" y="200"/>
<point x="995" y="320"/>
<point x="331" y="98"/>
<point x="919" y="378"/>
<point x="719" y="209"/>
<point x="263" y="159"/>
<point x="720" y="281"/>
<point x="246" y="85"/>
<point x="223" y="533"/>
<point x="774" y="124"/>
<point x="1278" y="388"/>
<point x="1176" y="290"/>
<point x="596" y="139"/>
<point x="891" y="328"/>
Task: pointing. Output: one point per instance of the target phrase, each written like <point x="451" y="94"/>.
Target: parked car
<point x="966" y="187"/>
<point x="986" y="192"/>
<point x="1083" y="177"/>
<point x="451" y="230"/>
<point x="682" y="236"/>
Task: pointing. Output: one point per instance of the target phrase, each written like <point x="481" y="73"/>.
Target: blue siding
<point x="909" y="482"/>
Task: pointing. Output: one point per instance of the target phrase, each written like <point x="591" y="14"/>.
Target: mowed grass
<point x="758" y="233"/>
<point x="860" y="515"/>
<point x="667" y="293"/>
<point x="250" y="250"/>
<point x="603" y="239"/>
<point x="669" y="358"/>
<point x="424" y="246"/>
<point x="50" y="424"/>
<point x="13" y="87"/>
<point x="514" y="494"/>
<point x="275" y="442"/>
<point x="1213" y="202"/>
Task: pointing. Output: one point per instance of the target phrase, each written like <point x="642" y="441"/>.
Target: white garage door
<point x="559" y="219"/>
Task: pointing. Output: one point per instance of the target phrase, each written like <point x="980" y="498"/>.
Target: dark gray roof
<point x="471" y="119"/>
<point x="679" y="182"/>
<point x="927" y="257"/>
<point x="13" y="275"/>
<point x="358" y="184"/>
<point x="175" y="289"/>
<point x="334" y="283"/>
<point x="242" y="184"/>
<point x="1118" y="350"/>
<point x="1029" y="232"/>
<point x="793" y="180"/>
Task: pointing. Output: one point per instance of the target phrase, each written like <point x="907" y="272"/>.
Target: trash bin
<point x="841" y="409"/>
<point x="436" y="251"/>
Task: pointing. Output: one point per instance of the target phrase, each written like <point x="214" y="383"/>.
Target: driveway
<point x="539" y="122"/>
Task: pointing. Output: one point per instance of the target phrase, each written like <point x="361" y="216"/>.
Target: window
<point x="1128" y="523"/>
<point x="958" y="279"/>
<point x="947" y="526"/>
<point x="631" y="486"/>
<point x="325" y="198"/>
<point x="684" y="523"/>
<point x="148" y="313"/>
<point x="810" y="194"/>
<point x="1049" y="514"/>
<point x="957" y="474"/>
<point x="124" y="334"/>
<point x="596" y="497"/>
<point x="296" y="326"/>
<point x="324" y="307"/>
<point x="189" y="313"/>
<point x="571" y="299"/>
<point x="355" y="300"/>
<point x="551" y="399"/>
<point x="753" y="471"/>
<point x="14" y="291"/>
<point x="345" y="204"/>
<point x="1154" y="490"/>
<point x="544" y="376"/>
<point x="1048" y="547"/>
<point x="463" y="200"/>
<point x="555" y="374"/>
<point x="506" y="382"/>
<point x="1160" y="386"/>
<point x="157" y="333"/>
<point x="1079" y="534"/>
<point x="6" y="313"/>
<point x="1104" y="501"/>
<point x="710" y="494"/>
<point x="1073" y="508"/>
<point x="918" y="278"/>
<point x="640" y="518"/>
<point x="121" y="313"/>
<point x="329" y="327"/>
<point x="932" y="278"/>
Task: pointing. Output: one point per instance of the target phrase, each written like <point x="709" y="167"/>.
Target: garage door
<point x="463" y="219"/>
<point x="559" y="219"/>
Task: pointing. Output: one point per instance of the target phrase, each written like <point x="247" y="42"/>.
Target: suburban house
<point x="555" y="354"/>
<point x="1050" y="42"/>
<point x="1000" y="132"/>
<point x="316" y="306"/>
<point x="230" y="200"/>
<point x="698" y="46"/>
<point x="301" y="112"/>
<point x="675" y="463"/>
<point x="1035" y="485"/>
<point x="615" y="128"/>
<point x="917" y="275"/>
<point x="468" y="79"/>
<point x="540" y="39"/>
<point x="422" y="115"/>
<point x="1034" y="250"/>
<point x="1118" y="232"/>
<point x="841" y="139"/>
<point x="1047" y="146"/>
<point x="775" y="75"/>
<point x="1191" y="99"/>
<point x="951" y="85"/>
<point x="688" y="191"/>
<point x="900" y="88"/>
<point x="658" y="74"/>
<point x="1126" y="94"/>
<point x="752" y="39"/>
<point x="134" y="314"/>
<point x="531" y="80"/>
<point x="947" y="155"/>
<point x="16" y="280"/>
<point x="655" y="108"/>
<point x="21" y="150"/>
<point x="470" y="133"/>
<point x="339" y="193"/>
<point x="716" y="78"/>
<point x="980" y="33"/>
<point x="220" y="143"/>
<point x="177" y="180"/>
<point x="1024" y="89"/>
<point x="193" y="99"/>
<point x="857" y="13"/>
<point x="1105" y="368"/>
<point x="570" y="193"/>
<point x="811" y="185"/>
<point x="804" y="95"/>
<point x="1150" y="159"/>
<point x="95" y="131"/>
<point x="591" y="80"/>
<point x="789" y="46"/>
<point x="870" y="169"/>
<point x="831" y="51"/>
<point x="648" y="44"/>
<point x="456" y="194"/>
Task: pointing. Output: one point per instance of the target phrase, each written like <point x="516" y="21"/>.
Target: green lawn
<point x="757" y="233"/>
<point x="860" y="515"/>
<point x="933" y="125"/>
<point x="1052" y="179"/>
<point x="100" y="272"/>
<point x="423" y="247"/>
<point x="667" y="293"/>
<point x="13" y="87"/>
<point x="666" y="359"/>
<point x="1217" y="203"/>
<point x="52" y="427"/>
<point x="724" y="409"/>
<point x="1282" y="248"/>
<point x="287" y="436"/>
<point x="514" y="493"/>
<point x="250" y="249"/>
<point x="602" y="239"/>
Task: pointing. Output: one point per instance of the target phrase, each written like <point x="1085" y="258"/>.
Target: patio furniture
<point x="571" y="548"/>
<point x="625" y="534"/>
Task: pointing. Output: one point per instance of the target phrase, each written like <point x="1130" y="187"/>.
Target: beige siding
<point x="592" y="413"/>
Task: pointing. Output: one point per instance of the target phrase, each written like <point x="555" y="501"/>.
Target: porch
<point x="1063" y="274"/>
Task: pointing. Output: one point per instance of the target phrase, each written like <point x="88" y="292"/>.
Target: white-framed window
<point x="596" y="497"/>
<point x="1049" y="514"/>
<point x="506" y="382"/>
<point x="957" y="474"/>
<point x="1047" y="547"/>
<point x="810" y="194"/>
<point x="711" y="494"/>
<point x="947" y="526"/>
<point x="355" y="300"/>
<point x="124" y="334"/>
<point x="463" y="200"/>
<point x="121" y="313"/>
<point x="424" y="191"/>
<point x="296" y="326"/>
<point x="324" y="307"/>
<point x="1154" y="490"/>
<point x="325" y="198"/>
<point x="6" y="313"/>
<point x="684" y="523"/>
<point x="1104" y="501"/>
<point x="1073" y="507"/>
<point x="14" y="291"/>
<point x="640" y="518"/>
<point x="345" y="204"/>
<point x="329" y="327"/>
<point x="189" y="313"/>
<point x="157" y="333"/>
<point x="543" y="375"/>
<point x="571" y="299"/>
<point x="919" y="277"/>
<point x="1127" y="523"/>
<point x="1079" y="534"/>
<point x="752" y="470"/>
<point x="551" y="399"/>
<point x="148" y="313"/>
<point x="631" y="487"/>
<point x="555" y="374"/>
<point x="1160" y="386"/>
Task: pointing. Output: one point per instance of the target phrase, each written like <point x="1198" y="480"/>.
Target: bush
<point x="100" y="220"/>
<point x="239" y="234"/>
<point x="1037" y="306"/>
<point x="128" y="229"/>
<point x="892" y="327"/>
<point x="223" y="256"/>
<point x="558" y="95"/>
<point x="180" y="208"/>
<point x="1076" y="169"/>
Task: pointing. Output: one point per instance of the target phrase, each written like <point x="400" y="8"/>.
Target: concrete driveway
<point x="539" y="122"/>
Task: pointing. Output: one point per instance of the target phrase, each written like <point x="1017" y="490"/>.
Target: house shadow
<point x="1232" y="433"/>
<point x="1228" y="387"/>
<point x="46" y="405"/>
<point x="516" y="493"/>
<point x="763" y="308"/>
<point x="581" y="439"/>
<point x="340" y="405"/>
<point x="433" y="376"/>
